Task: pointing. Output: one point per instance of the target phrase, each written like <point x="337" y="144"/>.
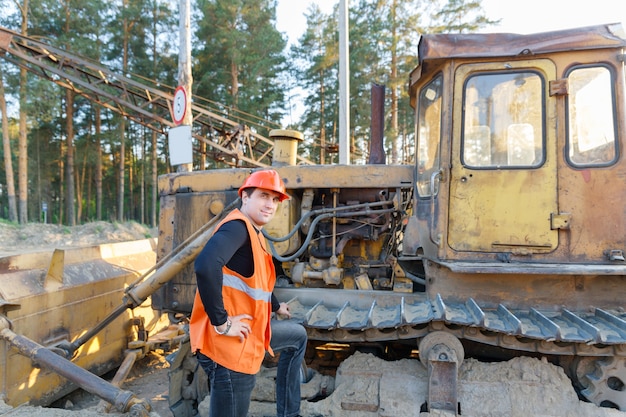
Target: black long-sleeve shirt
<point x="229" y="246"/>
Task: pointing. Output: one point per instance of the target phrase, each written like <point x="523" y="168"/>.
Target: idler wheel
<point x="436" y="339"/>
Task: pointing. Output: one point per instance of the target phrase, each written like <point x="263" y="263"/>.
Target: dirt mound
<point x="36" y="236"/>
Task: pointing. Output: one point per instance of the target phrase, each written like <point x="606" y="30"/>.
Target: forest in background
<point x="67" y="160"/>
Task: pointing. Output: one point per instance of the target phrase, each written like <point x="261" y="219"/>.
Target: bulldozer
<point x="505" y="236"/>
<point x="507" y="233"/>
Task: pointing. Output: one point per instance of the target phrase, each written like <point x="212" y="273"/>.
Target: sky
<point x="528" y="16"/>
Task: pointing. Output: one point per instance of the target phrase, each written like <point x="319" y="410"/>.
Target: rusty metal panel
<point x="5" y="41"/>
<point x="347" y="176"/>
<point x="201" y="181"/>
<point x="484" y="45"/>
<point x="182" y="214"/>
<point x="295" y="177"/>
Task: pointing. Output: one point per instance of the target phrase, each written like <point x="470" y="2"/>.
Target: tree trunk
<point x="322" y="120"/>
<point x="98" y="164"/>
<point x="88" y="194"/>
<point x="394" y="87"/>
<point x="80" y="185"/>
<point x="131" y="178"/>
<point x="234" y="84"/>
<point x="61" y="183"/>
<point x="69" y="178"/>
<point x="154" y="155"/>
<point x="23" y="153"/>
<point x="8" y="161"/>
<point x="142" y="177"/>
<point x="23" y="140"/>
<point x="121" y="168"/>
<point x="203" y="149"/>
<point x="155" y="175"/>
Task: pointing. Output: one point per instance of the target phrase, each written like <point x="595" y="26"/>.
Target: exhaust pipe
<point x="377" y="128"/>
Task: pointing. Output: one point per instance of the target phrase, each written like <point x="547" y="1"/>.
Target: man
<point x="230" y="322"/>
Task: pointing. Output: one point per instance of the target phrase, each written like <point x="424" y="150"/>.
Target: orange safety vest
<point x="241" y="295"/>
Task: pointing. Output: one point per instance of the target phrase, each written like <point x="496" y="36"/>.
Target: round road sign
<point x="180" y="104"/>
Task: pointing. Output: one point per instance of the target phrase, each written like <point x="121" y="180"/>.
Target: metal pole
<point x="185" y="77"/>
<point x="123" y="400"/>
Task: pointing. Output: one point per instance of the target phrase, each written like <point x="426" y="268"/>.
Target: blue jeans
<point x="230" y="390"/>
<point x="290" y="339"/>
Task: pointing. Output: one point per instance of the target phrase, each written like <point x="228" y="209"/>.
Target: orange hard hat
<point x="267" y="179"/>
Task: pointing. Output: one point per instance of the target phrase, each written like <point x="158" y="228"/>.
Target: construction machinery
<point x="505" y="237"/>
<point x="228" y="136"/>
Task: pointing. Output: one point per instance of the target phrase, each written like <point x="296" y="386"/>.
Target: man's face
<point x="260" y="206"/>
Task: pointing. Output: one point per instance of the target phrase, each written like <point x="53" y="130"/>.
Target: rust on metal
<point x="482" y="45"/>
<point x="121" y="399"/>
<point x="5" y="41"/>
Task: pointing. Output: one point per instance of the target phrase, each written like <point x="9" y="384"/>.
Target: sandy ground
<point x="365" y="386"/>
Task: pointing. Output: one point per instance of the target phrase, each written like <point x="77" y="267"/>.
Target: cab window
<point x="503" y="120"/>
<point x="429" y="135"/>
<point x="591" y="136"/>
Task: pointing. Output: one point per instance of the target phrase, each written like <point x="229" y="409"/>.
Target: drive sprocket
<point x="606" y="384"/>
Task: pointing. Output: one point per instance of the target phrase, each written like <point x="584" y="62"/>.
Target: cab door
<point x="503" y="184"/>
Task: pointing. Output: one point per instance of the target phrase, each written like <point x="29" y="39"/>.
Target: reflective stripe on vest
<point x="255" y="293"/>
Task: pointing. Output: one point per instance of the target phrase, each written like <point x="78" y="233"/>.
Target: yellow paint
<point x="504" y="210"/>
<point x="93" y="282"/>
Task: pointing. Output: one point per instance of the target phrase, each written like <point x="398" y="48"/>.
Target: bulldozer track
<point x="364" y="316"/>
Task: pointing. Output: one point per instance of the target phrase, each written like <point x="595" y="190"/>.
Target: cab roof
<point x="477" y="45"/>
